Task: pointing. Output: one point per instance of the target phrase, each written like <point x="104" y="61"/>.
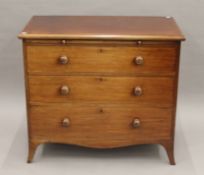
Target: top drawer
<point x="104" y="58"/>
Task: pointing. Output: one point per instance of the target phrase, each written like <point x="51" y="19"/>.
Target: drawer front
<point x="116" y="59"/>
<point x="99" y="125"/>
<point x="144" y="90"/>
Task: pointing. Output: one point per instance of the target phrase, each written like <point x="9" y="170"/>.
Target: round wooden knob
<point x="63" y="59"/>
<point x="64" y="90"/>
<point x="136" y="123"/>
<point x="137" y="91"/>
<point x="139" y="60"/>
<point x="65" y="122"/>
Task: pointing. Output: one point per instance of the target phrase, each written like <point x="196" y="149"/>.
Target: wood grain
<point x="156" y="91"/>
<point x="90" y="101"/>
<point x="99" y="125"/>
<point x="102" y="58"/>
<point x="102" y="27"/>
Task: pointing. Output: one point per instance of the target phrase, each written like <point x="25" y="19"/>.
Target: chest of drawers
<point x="101" y="82"/>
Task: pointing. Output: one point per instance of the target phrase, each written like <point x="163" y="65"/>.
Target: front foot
<point x="169" y="147"/>
<point x="31" y="151"/>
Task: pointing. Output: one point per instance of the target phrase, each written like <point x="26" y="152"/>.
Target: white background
<point x="55" y="159"/>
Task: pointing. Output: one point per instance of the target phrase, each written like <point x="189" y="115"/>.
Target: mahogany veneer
<point x="101" y="81"/>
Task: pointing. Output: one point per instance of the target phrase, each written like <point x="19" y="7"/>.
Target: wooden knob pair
<point x="66" y="123"/>
<point x="65" y="90"/>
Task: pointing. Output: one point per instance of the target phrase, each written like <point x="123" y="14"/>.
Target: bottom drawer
<point x="100" y="126"/>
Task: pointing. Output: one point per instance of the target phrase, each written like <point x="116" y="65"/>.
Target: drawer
<point x="111" y="59"/>
<point x="99" y="125"/>
<point x="156" y="91"/>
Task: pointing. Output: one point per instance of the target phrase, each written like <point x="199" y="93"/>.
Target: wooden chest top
<point x="102" y="27"/>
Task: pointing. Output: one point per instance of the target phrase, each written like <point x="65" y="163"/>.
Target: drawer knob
<point x="137" y="91"/>
<point x="65" y="122"/>
<point x="139" y="60"/>
<point x="136" y="123"/>
<point x="64" y="90"/>
<point x="63" y="59"/>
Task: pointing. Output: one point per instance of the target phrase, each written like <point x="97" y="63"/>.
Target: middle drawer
<point x="154" y="91"/>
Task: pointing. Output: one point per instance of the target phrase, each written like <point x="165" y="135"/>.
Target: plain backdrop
<point x="189" y="14"/>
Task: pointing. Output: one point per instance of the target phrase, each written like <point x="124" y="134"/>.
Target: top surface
<point x="102" y="27"/>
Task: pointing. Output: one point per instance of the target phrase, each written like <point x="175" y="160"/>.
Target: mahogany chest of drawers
<point x="101" y="82"/>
